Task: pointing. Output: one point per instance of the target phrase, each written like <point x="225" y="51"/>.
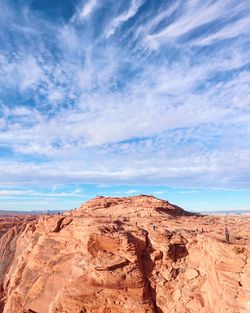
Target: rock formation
<point x="134" y="254"/>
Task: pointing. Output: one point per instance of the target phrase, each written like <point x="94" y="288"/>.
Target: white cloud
<point x="235" y="29"/>
<point x="117" y="21"/>
<point x="195" y="14"/>
<point x="152" y="23"/>
<point x="24" y="72"/>
<point x="2" y="123"/>
<point x="102" y="113"/>
<point x="88" y="8"/>
<point x="131" y="191"/>
<point x="56" y="96"/>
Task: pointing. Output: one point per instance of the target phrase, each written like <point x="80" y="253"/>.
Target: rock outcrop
<point x="134" y="254"/>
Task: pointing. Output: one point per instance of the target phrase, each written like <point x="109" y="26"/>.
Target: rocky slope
<point x="134" y="254"/>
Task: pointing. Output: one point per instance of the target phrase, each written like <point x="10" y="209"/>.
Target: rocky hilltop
<point x="134" y="254"/>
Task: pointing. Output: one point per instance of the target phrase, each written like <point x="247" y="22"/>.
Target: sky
<point x="105" y="97"/>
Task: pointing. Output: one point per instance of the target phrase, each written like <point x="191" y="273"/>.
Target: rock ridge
<point x="120" y="255"/>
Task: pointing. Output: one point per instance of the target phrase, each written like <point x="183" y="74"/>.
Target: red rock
<point x="134" y="254"/>
<point x="191" y="274"/>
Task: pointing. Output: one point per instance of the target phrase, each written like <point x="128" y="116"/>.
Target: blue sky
<point x="124" y="97"/>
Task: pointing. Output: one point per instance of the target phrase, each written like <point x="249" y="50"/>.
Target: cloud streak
<point x="194" y="15"/>
<point x="124" y="17"/>
<point x="135" y="93"/>
<point x="88" y="9"/>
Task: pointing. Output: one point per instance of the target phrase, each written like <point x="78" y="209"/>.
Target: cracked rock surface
<point x="121" y="255"/>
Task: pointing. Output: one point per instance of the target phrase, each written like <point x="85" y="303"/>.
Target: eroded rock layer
<point x="135" y="254"/>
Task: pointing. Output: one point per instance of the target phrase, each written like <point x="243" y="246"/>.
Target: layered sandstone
<point x="134" y="254"/>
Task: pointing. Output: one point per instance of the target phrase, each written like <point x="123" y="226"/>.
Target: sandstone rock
<point x="106" y="256"/>
<point x="170" y="274"/>
<point x="191" y="274"/>
<point x="176" y="295"/>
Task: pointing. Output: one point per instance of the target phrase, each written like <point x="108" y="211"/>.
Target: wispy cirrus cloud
<point x="125" y="16"/>
<point x="88" y="8"/>
<point x="130" y="93"/>
<point x="237" y="28"/>
<point x="228" y="19"/>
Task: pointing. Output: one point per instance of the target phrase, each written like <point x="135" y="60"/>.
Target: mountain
<point x="121" y="255"/>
